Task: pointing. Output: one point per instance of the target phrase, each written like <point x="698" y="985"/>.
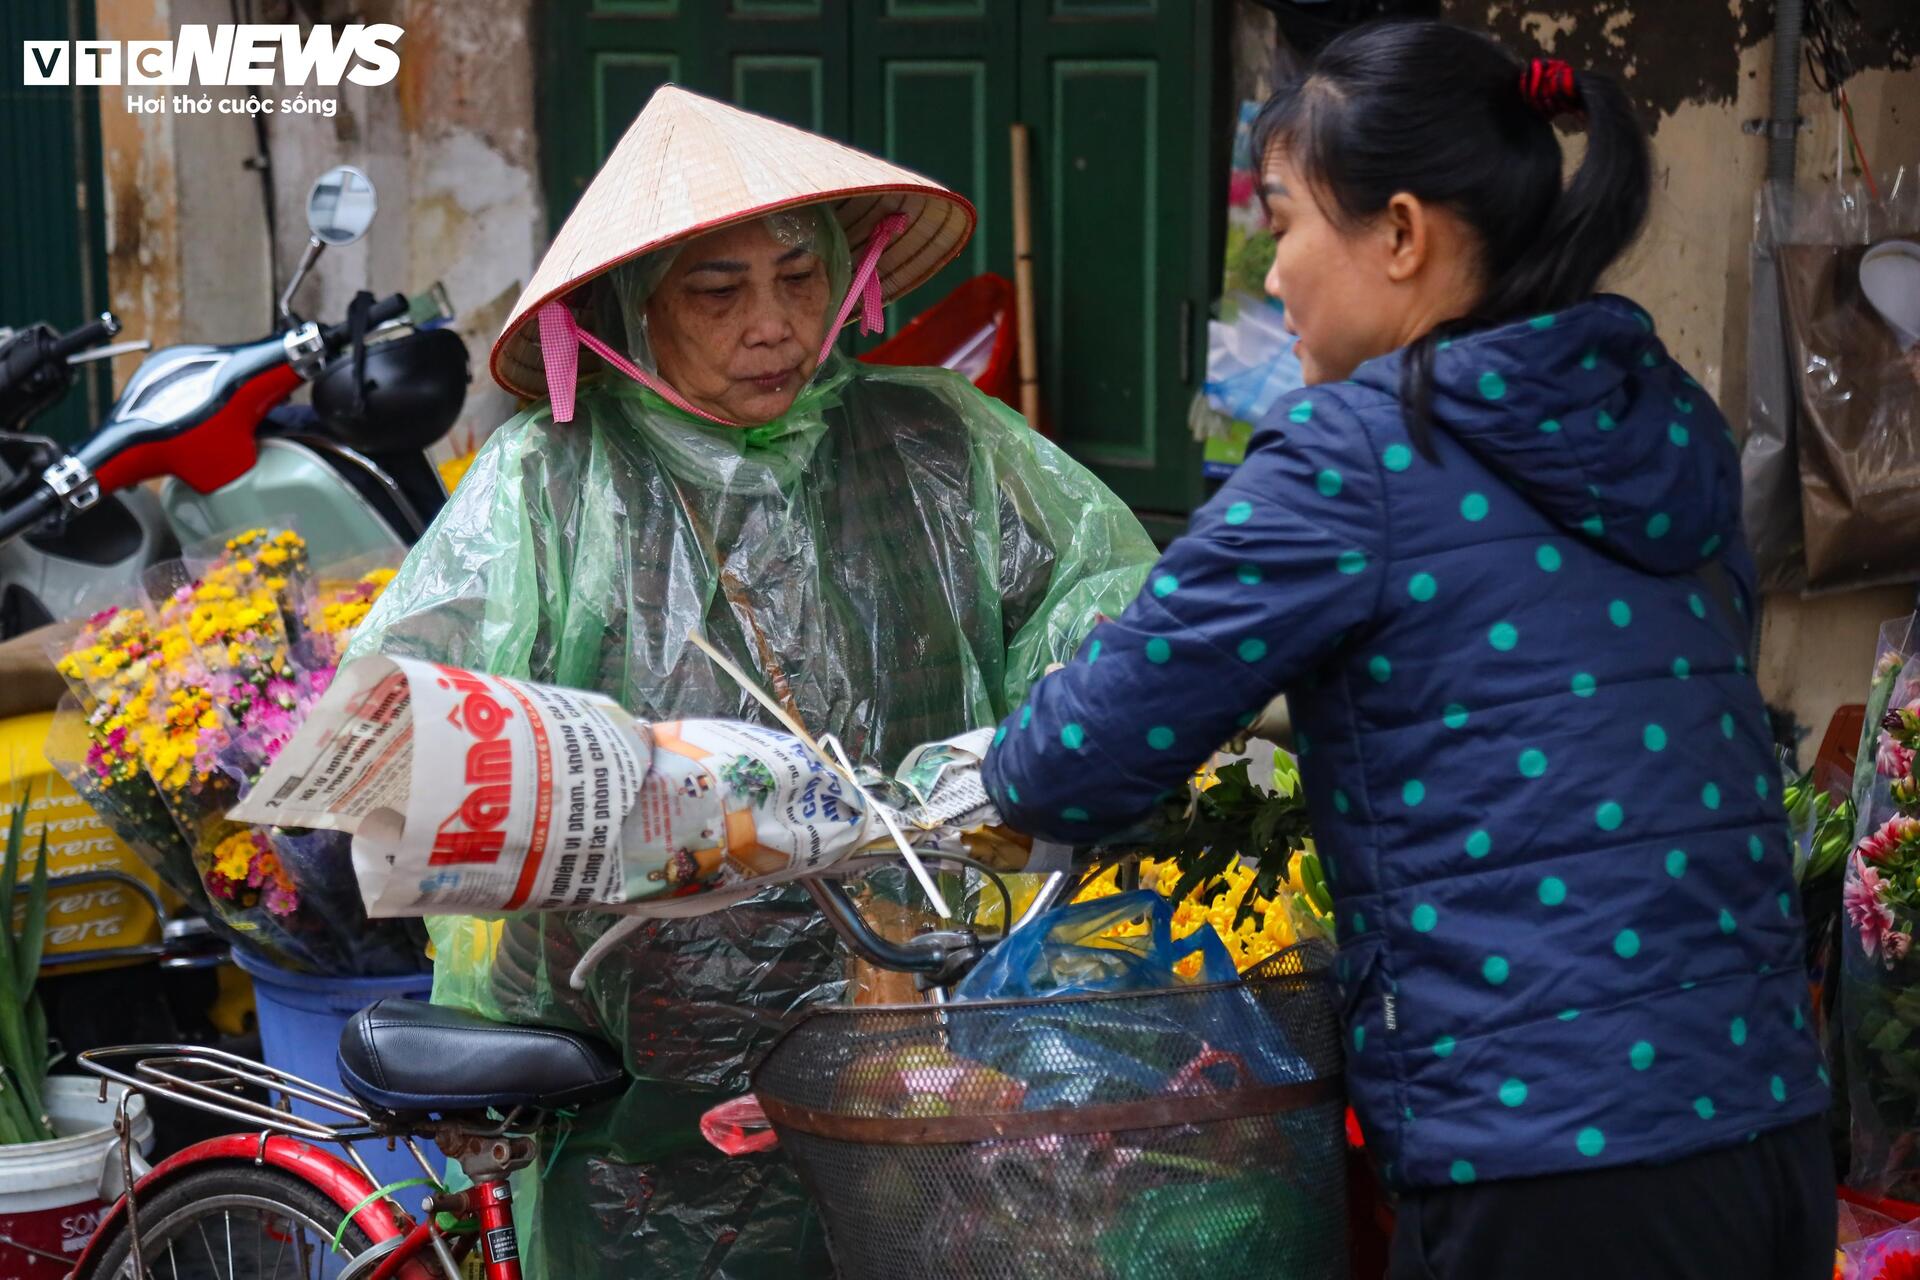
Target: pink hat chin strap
<point x="561" y="336"/>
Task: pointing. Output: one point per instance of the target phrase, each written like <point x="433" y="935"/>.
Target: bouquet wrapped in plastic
<point x="1880" y="994"/>
<point x="1873" y="1245"/>
<point x="181" y="701"/>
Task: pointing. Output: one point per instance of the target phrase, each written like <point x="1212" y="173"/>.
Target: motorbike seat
<point x="410" y="1059"/>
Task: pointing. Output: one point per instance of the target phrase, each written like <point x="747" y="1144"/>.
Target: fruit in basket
<point x="921" y="1081"/>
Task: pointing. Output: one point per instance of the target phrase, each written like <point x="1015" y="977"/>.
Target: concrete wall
<point x="1698" y="70"/>
<point x="449" y="145"/>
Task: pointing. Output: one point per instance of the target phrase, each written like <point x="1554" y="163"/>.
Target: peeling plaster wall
<point x="449" y="146"/>
<point x="142" y="206"/>
<point x="1698" y="70"/>
<point x="451" y="150"/>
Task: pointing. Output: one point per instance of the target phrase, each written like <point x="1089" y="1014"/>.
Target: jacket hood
<point x="1584" y="413"/>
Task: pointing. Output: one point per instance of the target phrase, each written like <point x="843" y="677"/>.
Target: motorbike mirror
<point x="341" y="205"/>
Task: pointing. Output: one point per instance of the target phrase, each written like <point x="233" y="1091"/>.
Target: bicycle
<point x="482" y="1092"/>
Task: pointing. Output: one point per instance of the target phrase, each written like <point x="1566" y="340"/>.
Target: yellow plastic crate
<point x="83" y="918"/>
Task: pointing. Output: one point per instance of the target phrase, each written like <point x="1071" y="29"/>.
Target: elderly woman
<point x="894" y="554"/>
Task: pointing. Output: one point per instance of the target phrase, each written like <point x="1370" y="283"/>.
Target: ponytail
<point x="1447" y="116"/>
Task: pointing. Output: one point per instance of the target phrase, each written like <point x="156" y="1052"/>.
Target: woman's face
<point x="1353" y="293"/>
<point x="737" y="324"/>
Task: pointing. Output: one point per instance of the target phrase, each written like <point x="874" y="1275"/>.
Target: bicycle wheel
<point x="234" y="1222"/>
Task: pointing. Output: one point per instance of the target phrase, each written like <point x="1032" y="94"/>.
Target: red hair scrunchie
<point x="1549" y="88"/>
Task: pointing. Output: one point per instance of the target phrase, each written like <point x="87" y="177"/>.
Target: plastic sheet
<point x="1070" y="951"/>
<point x="896" y="559"/>
<point x="1875" y="1247"/>
<point x="1830" y="466"/>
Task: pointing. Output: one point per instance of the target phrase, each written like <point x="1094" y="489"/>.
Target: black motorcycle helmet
<point x="394" y="394"/>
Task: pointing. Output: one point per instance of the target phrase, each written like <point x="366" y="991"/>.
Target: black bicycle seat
<point x="410" y="1058"/>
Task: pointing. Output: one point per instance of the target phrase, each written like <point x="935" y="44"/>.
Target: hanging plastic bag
<point x="1080" y="949"/>
<point x="1830" y="465"/>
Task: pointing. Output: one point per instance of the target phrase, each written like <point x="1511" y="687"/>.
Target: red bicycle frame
<point x="488" y="1204"/>
<point x="491" y="1205"/>
<point x="406" y="1248"/>
<point x="339" y="1181"/>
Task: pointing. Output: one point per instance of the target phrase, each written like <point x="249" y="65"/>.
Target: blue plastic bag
<point x="1051" y="956"/>
<point x="1251" y="360"/>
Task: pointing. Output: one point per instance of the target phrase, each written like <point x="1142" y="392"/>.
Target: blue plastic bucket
<point x="301" y="1017"/>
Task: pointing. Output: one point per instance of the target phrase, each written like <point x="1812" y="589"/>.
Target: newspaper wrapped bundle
<point x="471" y="794"/>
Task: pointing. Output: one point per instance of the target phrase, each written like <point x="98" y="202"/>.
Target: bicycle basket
<point x="1180" y="1134"/>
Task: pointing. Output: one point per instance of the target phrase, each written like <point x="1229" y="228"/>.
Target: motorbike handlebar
<point x="22" y="516"/>
<point x="87" y="335"/>
<point x="389" y="308"/>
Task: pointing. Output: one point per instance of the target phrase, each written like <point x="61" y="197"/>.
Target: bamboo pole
<point x="1023" y="281"/>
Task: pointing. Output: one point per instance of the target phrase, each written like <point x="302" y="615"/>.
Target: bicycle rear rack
<point x="215" y="1081"/>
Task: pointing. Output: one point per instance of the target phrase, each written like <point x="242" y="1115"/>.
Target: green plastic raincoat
<point x="897" y="558"/>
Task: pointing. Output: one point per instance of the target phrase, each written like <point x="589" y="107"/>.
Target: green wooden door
<point x="934" y="89"/>
<point x="602" y="60"/>
<point x="1122" y="125"/>
<point x="52" y="229"/>
<point x="1122" y="104"/>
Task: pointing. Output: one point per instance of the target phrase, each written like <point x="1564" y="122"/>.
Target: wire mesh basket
<point x="1190" y="1133"/>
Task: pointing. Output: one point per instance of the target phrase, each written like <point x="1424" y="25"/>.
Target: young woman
<point x="1492" y="554"/>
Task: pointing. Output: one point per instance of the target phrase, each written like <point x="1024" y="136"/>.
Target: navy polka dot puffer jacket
<point x="1538" y="765"/>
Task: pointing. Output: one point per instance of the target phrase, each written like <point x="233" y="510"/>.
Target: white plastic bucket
<point x="50" y="1192"/>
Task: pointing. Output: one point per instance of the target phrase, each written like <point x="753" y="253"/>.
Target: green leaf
<point x="37" y="1035"/>
<point x="1890" y="1038"/>
<point x="10" y="871"/>
<point x="16" y="845"/>
<point x="1265" y="829"/>
<point x="21" y="1112"/>
<point x="9" y="981"/>
<point x="33" y="931"/>
<point x="13" y="1119"/>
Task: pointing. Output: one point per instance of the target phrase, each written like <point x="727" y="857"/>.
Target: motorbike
<point x="214" y="426"/>
<point x="202" y="440"/>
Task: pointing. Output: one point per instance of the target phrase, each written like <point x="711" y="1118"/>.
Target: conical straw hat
<point x="689" y="165"/>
